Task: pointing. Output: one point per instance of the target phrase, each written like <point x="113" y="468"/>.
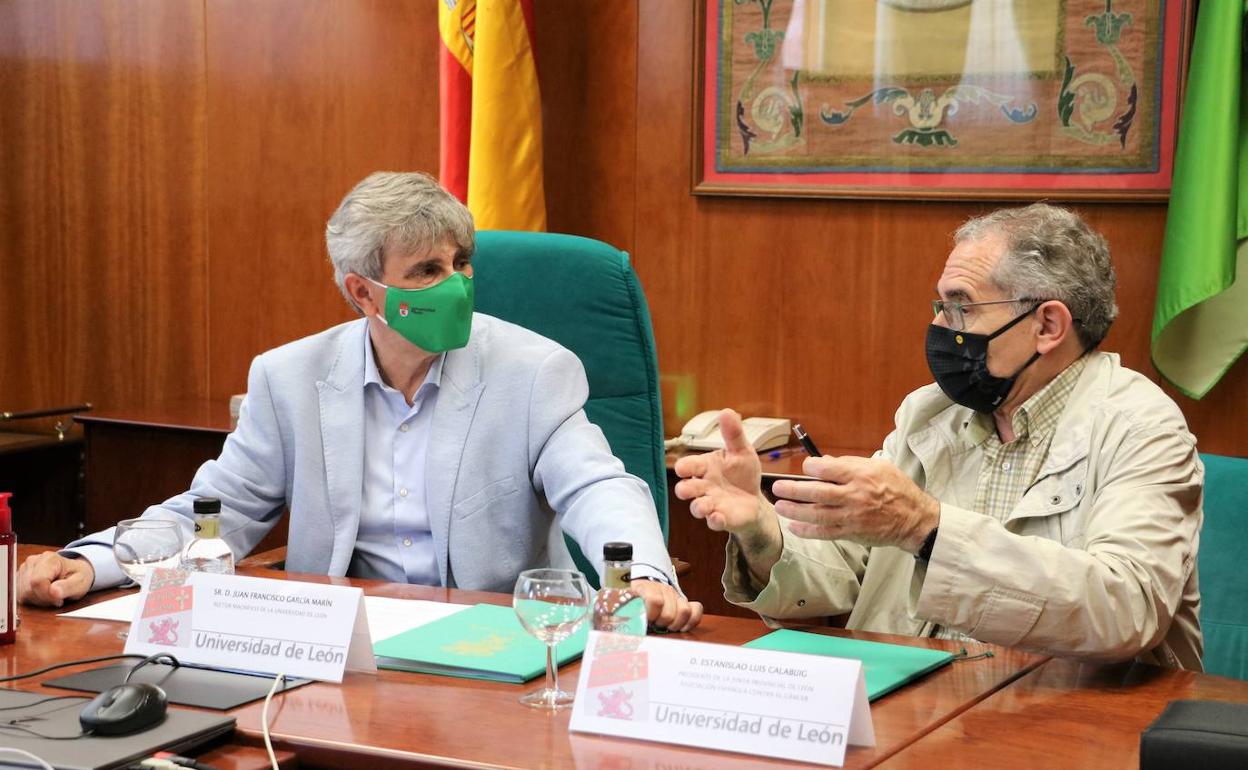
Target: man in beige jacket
<point x="1037" y="495"/>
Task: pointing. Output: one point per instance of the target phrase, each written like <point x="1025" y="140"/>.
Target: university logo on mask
<point x="403" y="310"/>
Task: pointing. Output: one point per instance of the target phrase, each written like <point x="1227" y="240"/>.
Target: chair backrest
<point x="1223" y="579"/>
<point x="584" y="295"/>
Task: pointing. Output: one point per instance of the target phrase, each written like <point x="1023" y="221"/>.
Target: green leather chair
<point x="584" y="295"/>
<point x="1223" y="578"/>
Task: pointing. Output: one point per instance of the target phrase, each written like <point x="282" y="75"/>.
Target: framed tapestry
<point x="995" y="99"/>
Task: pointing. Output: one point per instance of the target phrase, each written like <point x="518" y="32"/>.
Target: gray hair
<point x="393" y="210"/>
<point x="1052" y="254"/>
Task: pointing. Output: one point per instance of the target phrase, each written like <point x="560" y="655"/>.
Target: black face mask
<point x="959" y="362"/>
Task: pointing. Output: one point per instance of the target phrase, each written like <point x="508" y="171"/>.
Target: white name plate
<point x="287" y="627"/>
<point x="774" y="704"/>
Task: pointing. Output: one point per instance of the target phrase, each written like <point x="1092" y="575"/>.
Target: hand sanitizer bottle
<point x="208" y="552"/>
<point x="617" y="609"/>
<point x="8" y="573"/>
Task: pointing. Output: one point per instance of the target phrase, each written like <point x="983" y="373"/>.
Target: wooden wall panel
<point x="664" y="253"/>
<point x="305" y="98"/>
<point x="587" y="65"/>
<point x="102" y="236"/>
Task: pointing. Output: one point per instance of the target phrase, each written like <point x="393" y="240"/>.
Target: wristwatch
<point x="925" y="551"/>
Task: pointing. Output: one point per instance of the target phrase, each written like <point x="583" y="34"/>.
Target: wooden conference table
<point x="1012" y="710"/>
<point x="399" y="719"/>
<point x="1065" y="714"/>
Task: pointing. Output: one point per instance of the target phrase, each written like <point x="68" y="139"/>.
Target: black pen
<point x="804" y="439"/>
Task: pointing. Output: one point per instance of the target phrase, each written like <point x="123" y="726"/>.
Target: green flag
<point x="1200" y="324"/>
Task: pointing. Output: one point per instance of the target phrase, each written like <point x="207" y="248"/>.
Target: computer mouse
<point x="124" y="709"/>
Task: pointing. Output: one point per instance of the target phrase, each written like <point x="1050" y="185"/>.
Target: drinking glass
<point x="552" y="605"/>
<point x="140" y="545"/>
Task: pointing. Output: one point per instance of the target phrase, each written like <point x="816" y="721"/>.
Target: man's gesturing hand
<point x="723" y="488"/>
<point x="869" y="501"/>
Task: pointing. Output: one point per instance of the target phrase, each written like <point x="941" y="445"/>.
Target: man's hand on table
<point x="49" y="580"/>
<point x="665" y="607"/>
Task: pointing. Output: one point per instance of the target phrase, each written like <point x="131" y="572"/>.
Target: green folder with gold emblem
<point x="485" y="641"/>
<point x="885" y="666"/>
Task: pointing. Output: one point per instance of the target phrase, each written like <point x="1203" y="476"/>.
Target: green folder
<point x="485" y="641"/>
<point x="885" y="666"/>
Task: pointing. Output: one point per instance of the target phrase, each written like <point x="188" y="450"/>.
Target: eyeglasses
<point x="955" y="312"/>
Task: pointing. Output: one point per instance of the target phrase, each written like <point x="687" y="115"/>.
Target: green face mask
<point x="434" y="319"/>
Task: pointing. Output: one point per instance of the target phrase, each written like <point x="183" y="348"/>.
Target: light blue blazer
<point x="512" y="462"/>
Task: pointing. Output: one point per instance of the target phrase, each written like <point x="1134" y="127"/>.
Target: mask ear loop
<point x="1030" y="361"/>
<point x="382" y="315"/>
<point x="1035" y="356"/>
<point x="1014" y="323"/>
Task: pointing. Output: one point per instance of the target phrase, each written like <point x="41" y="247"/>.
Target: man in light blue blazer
<point x="421" y="443"/>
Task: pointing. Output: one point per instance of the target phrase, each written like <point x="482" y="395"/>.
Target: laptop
<point x="181" y="731"/>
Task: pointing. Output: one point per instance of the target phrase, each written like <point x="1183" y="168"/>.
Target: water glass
<point x="552" y="605"/>
<point x="141" y="545"/>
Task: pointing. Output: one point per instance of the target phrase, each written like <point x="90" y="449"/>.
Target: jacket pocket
<point x="1052" y="507"/>
<point x="489" y="494"/>
<point x="1008" y="617"/>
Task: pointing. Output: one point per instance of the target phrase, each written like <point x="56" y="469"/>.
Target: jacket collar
<point x="341" y="401"/>
<point x="1072" y="436"/>
<point x="344" y="370"/>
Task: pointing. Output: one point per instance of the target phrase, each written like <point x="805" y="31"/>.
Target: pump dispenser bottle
<point x="8" y="572"/>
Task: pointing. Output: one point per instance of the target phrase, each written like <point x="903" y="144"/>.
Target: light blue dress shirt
<point x="395" y="543"/>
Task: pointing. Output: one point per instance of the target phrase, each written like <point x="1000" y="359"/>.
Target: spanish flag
<point x="491" y="120"/>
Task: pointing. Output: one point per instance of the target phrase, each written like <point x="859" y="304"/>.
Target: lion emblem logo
<point x="616" y="704"/>
<point x="164" y="632"/>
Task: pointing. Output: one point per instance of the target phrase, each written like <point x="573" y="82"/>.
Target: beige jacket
<point x="1097" y="561"/>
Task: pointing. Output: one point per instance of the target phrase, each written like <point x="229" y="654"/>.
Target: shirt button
<point x="404" y="428"/>
<point x="403" y="492"/>
<point x="1005" y="466"/>
<point x="407" y="541"/>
